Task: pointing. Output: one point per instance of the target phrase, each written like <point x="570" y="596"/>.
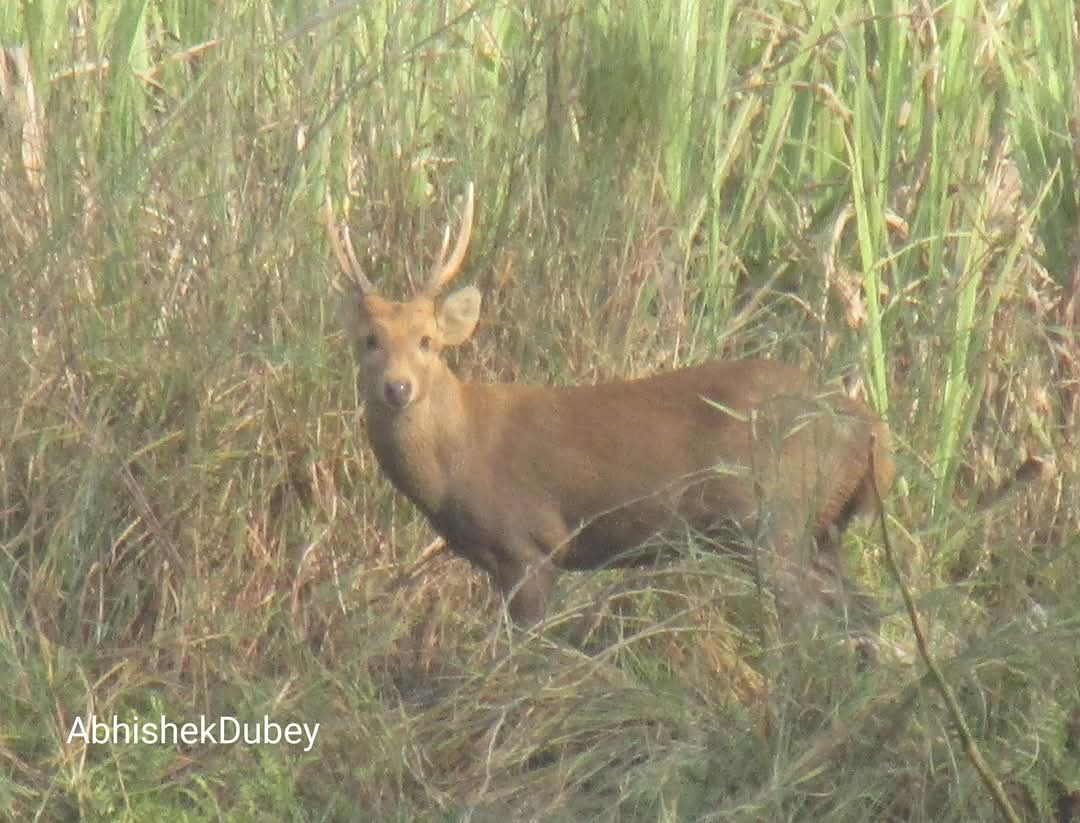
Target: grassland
<point x="191" y="523"/>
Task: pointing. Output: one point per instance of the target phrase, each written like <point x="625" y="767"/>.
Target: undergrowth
<point x="191" y="523"/>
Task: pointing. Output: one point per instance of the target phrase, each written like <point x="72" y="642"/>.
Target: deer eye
<point x="372" y="342"/>
<point x="425" y="343"/>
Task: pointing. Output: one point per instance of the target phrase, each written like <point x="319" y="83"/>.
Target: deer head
<point x="402" y="342"/>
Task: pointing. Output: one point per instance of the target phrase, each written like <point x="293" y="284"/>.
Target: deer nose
<point x="398" y="393"/>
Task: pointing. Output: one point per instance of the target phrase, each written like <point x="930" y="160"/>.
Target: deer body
<point x="522" y="480"/>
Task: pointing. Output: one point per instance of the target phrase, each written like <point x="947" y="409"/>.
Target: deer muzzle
<point x="397" y="393"/>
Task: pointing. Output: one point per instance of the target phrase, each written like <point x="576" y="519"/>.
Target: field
<point x="193" y="526"/>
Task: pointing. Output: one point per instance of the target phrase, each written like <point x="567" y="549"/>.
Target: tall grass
<point x="191" y="522"/>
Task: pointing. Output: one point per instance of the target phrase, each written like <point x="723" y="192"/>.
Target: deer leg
<point x="858" y="608"/>
<point x="812" y="582"/>
<point x="526" y="564"/>
<point x="525" y="588"/>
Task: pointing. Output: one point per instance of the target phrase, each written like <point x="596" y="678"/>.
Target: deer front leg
<point x="526" y="558"/>
<point x="525" y="588"/>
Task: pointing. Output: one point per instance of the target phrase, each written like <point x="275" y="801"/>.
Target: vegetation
<point x="191" y="523"/>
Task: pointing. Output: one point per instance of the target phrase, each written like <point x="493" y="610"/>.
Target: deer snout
<point x="397" y="393"/>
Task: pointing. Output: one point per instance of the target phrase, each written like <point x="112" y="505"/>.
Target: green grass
<point x="191" y="522"/>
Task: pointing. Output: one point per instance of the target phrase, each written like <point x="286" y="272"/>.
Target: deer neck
<point x="421" y="446"/>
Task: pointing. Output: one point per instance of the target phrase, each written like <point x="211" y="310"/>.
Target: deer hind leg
<point x="857" y="608"/>
<point x="807" y="579"/>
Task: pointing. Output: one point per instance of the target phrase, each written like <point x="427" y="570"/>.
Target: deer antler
<point x="443" y="270"/>
<point x="343" y="250"/>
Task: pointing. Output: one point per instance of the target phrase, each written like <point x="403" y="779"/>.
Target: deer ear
<point x="458" y="314"/>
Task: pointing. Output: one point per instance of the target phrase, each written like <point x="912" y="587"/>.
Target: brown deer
<point x="523" y="480"/>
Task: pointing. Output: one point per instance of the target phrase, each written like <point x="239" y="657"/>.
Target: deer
<point x="526" y="480"/>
